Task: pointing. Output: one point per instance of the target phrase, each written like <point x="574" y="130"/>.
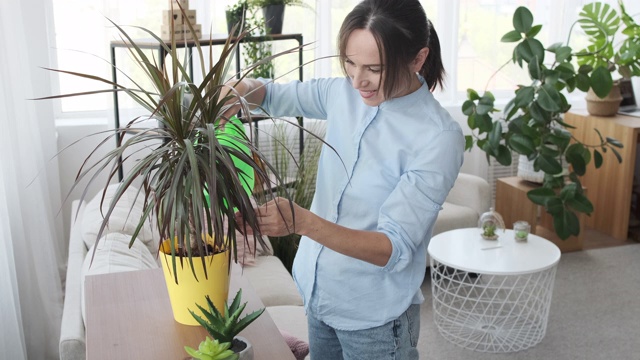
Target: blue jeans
<point x="395" y="340"/>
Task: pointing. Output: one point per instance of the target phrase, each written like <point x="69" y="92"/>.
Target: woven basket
<point x="526" y="172"/>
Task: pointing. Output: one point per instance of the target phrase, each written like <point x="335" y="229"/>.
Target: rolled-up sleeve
<point x="408" y="215"/>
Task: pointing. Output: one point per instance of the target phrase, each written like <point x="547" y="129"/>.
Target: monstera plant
<point x="531" y="124"/>
<point x="614" y="46"/>
<point x="610" y="48"/>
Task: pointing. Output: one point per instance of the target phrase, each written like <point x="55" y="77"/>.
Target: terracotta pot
<point x="604" y="107"/>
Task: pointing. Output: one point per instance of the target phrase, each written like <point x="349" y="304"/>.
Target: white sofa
<point x="270" y="279"/>
<point x="468" y="199"/>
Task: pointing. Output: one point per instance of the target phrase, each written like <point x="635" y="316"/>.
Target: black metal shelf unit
<point x="189" y="45"/>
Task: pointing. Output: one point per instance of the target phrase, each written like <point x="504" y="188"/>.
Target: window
<point x="469" y="31"/>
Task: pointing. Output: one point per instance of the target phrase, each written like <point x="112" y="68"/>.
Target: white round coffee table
<point x="492" y="295"/>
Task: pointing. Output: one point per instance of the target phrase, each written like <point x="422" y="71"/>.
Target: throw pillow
<point x="299" y="347"/>
<point x="124" y="219"/>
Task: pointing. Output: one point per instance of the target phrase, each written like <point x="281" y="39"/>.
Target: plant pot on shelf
<point x="189" y="291"/>
<point x="233" y="18"/>
<point x="608" y="106"/>
<point x="274" y="17"/>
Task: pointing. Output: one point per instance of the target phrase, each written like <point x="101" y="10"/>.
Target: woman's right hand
<point x="249" y="91"/>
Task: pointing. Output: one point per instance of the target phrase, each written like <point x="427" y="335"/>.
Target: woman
<point x="362" y="256"/>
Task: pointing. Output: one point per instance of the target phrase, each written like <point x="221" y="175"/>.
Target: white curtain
<point x="31" y="241"/>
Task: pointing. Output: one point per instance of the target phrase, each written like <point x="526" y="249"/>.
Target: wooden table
<point x="514" y="205"/>
<point x="128" y="316"/>
<point x="610" y="186"/>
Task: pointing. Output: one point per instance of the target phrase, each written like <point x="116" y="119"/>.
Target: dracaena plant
<point x="611" y="48"/>
<point x="531" y="124"/>
<point x="182" y="157"/>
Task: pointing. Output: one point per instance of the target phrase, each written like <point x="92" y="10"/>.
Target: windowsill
<point x="84" y="121"/>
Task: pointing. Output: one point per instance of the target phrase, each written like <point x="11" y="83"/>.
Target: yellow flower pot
<point x="190" y="290"/>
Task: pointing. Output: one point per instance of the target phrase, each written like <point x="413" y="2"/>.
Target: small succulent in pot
<point x="224" y="326"/>
<point x="210" y="349"/>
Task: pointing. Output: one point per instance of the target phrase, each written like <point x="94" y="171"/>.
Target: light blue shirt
<point x="393" y="167"/>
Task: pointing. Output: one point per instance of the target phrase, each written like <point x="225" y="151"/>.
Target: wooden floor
<point x="594" y="240"/>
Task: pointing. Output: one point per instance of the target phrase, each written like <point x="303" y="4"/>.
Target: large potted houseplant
<point x="532" y="124"/>
<point x="193" y="176"/>
<point x="614" y="46"/>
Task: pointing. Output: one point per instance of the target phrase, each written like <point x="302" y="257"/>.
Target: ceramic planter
<point x="247" y="352"/>
<point x="189" y="291"/>
<point x="274" y="17"/>
<point x="608" y="106"/>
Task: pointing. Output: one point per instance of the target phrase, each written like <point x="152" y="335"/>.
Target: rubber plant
<point x="531" y="123"/>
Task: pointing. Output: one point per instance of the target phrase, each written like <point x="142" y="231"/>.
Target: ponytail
<point x="432" y="69"/>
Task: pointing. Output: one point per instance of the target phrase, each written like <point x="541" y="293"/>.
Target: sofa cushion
<point x="291" y="320"/>
<point x="272" y="282"/>
<point x="124" y="219"/>
<point x="454" y="216"/>
<point x="113" y="254"/>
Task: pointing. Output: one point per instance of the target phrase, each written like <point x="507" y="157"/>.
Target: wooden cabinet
<point x="512" y="203"/>
<point x="611" y="185"/>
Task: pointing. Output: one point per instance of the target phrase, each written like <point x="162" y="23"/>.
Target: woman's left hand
<point x="276" y="217"/>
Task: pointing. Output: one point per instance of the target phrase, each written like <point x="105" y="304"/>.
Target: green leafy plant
<point x="235" y="13"/>
<point x="182" y="156"/>
<point x="532" y="124"/>
<point x="212" y="350"/>
<point x="489" y="229"/>
<point x="602" y="24"/>
<point x="255" y="52"/>
<point x="225" y="325"/>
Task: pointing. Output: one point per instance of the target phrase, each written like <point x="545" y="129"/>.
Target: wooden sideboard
<point x="611" y="185"/>
<point x="514" y="205"/>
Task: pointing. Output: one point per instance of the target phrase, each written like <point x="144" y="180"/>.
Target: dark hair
<point x="401" y="29"/>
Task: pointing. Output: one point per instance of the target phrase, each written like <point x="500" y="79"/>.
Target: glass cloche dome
<point x="490" y="223"/>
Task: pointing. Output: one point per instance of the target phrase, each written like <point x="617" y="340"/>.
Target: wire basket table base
<point x="491" y="313"/>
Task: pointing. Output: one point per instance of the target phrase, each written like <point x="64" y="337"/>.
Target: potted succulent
<point x="192" y="175"/>
<point x="532" y="124"/>
<point x="273" y="12"/>
<point x="607" y="53"/>
<point x="225" y="325"/>
<point x="210" y="349"/>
